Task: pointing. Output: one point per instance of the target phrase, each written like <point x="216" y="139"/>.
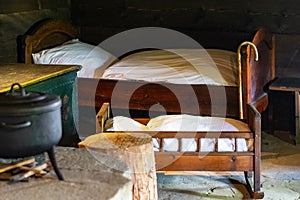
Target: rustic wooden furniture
<point x="181" y="161"/>
<point x="285" y="107"/>
<point x="135" y="151"/>
<point x="94" y="92"/>
<point x="248" y="97"/>
<point x="55" y="79"/>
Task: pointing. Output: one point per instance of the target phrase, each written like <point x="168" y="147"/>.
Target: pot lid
<point x="18" y="101"/>
<point x="20" y="96"/>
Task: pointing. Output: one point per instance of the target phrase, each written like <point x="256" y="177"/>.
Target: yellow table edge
<point x="68" y="68"/>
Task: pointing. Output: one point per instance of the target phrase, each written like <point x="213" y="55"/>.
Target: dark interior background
<point x="99" y="20"/>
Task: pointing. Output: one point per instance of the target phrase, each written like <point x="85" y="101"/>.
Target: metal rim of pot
<point x="21" y="102"/>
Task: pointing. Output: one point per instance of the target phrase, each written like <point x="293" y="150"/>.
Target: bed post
<point x="28" y="50"/>
<point x="102" y="116"/>
<point x="254" y="121"/>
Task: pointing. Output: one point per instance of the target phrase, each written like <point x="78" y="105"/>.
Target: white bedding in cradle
<point x="180" y="66"/>
<point x="187" y="123"/>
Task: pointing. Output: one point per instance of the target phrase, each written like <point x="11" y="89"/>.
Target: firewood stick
<point x="35" y="170"/>
<point x="10" y="167"/>
<point x="27" y="174"/>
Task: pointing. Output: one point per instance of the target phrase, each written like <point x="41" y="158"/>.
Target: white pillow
<point x="93" y="59"/>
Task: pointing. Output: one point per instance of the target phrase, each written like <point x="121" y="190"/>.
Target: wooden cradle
<point x="255" y="75"/>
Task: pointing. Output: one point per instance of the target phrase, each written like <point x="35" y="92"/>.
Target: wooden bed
<point x="245" y="102"/>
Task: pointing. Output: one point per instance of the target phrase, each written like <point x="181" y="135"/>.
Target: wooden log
<point x="7" y="167"/>
<point x="136" y="151"/>
<point x="38" y="170"/>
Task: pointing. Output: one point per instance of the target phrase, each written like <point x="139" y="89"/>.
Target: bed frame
<point x="139" y="97"/>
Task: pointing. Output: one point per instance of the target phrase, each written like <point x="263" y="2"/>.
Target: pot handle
<point x="15" y="126"/>
<point x="23" y="92"/>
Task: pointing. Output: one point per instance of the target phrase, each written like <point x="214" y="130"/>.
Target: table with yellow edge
<point x="60" y="80"/>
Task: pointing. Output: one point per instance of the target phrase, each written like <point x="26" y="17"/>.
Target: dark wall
<point x="100" y="19"/>
<point x="16" y="16"/>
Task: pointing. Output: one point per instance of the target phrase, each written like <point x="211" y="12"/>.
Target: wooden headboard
<point x="44" y="34"/>
<point x="257" y="74"/>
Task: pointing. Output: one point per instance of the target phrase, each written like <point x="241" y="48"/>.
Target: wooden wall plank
<point x="102" y="19"/>
<point x="288" y="55"/>
<point x="230" y="14"/>
<point x="13" y="6"/>
<point x="10" y="6"/>
<point x="14" y="24"/>
<point x="54" y="4"/>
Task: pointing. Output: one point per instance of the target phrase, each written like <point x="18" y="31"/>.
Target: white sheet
<point x="180" y="66"/>
<point x="187" y="123"/>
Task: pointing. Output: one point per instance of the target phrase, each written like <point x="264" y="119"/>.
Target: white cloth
<point x="188" y="123"/>
<point x="180" y="66"/>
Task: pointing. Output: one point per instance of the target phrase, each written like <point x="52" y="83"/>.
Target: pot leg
<point x="54" y="165"/>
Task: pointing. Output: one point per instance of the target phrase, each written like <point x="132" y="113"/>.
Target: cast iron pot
<point x="30" y="122"/>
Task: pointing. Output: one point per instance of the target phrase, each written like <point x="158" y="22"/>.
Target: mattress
<point x="180" y="66"/>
